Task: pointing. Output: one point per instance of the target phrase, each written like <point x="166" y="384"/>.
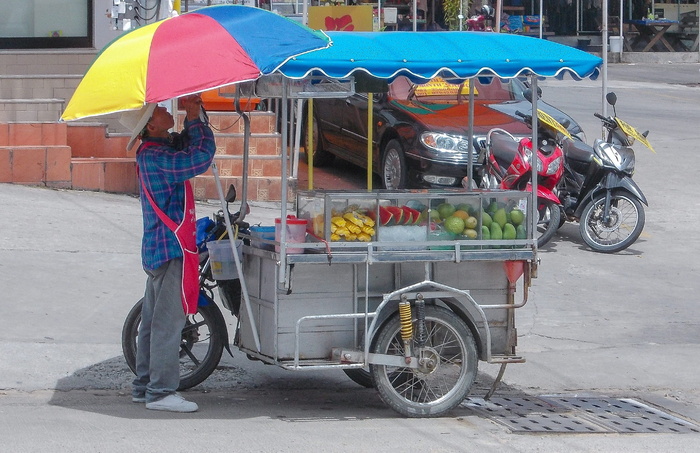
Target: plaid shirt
<point x="164" y="166"/>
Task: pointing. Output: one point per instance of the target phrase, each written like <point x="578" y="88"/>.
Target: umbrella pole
<point x="297" y="138"/>
<point x="246" y="145"/>
<point x="239" y="267"/>
<point x="283" y="219"/>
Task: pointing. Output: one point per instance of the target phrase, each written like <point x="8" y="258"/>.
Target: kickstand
<point x="496" y="382"/>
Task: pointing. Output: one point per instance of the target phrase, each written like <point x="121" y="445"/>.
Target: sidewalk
<point x="623" y="325"/>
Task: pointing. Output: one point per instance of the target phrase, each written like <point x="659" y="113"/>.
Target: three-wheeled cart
<point x="411" y="309"/>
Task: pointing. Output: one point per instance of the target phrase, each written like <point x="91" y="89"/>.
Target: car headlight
<point x="445" y="142"/>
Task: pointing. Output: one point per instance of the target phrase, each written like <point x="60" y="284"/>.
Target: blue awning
<point x="424" y="55"/>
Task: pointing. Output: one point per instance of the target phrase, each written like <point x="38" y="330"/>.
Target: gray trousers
<point x="162" y="320"/>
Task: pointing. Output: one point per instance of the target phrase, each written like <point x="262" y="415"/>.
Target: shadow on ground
<point x="240" y="388"/>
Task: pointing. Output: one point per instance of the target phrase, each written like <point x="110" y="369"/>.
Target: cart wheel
<point x="360" y="376"/>
<point x="200" y="349"/>
<point x="434" y="389"/>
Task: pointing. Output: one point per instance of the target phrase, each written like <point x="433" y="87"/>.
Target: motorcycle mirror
<point x="528" y="94"/>
<point x="231" y="194"/>
<point x="611" y="98"/>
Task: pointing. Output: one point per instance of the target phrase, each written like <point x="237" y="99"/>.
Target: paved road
<point x="619" y="326"/>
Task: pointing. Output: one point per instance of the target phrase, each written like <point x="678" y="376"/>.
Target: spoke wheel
<point x="394" y="167"/>
<point x="446" y="373"/>
<point x="200" y="349"/>
<point x="623" y="226"/>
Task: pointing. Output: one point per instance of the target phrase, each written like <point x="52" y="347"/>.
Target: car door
<point x="329" y="113"/>
<point x="355" y="129"/>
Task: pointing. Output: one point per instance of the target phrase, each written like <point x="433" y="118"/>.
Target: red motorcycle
<point x="482" y="21"/>
<point x="508" y="165"/>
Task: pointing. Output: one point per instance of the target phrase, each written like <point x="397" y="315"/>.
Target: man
<point x="166" y="161"/>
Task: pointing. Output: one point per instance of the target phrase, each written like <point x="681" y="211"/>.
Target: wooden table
<point x="652" y="33"/>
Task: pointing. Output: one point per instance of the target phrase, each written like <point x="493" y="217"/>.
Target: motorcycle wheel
<point x="427" y="392"/>
<point x="623" y="228"/>
<point x="200" y="349"/>
<point x="360" y="376"/>
<point x="548" y="223"/>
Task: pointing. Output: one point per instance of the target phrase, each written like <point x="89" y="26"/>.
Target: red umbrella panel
<point x="197" y="51"/>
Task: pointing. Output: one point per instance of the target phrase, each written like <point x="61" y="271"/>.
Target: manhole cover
<point x="627" y="415"/>
<point x="533" y="415"/>
<point x="562" y="414"/>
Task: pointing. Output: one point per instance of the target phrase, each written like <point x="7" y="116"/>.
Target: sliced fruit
<point x="386" y="218"/>
<point x="397" y="214"/>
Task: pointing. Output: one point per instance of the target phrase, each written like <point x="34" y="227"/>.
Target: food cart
<point x="384" y="284"/>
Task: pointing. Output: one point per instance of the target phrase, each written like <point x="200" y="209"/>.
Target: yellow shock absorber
<point x="406" y="326"/>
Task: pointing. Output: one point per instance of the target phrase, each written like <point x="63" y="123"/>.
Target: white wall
<point x="101" y="24"/>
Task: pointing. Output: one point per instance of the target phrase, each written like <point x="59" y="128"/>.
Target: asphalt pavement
<point x="596" y="328"/>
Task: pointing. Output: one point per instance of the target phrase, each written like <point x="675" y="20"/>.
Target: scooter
<point x="205" y="334"/>
<point x="482" y="21"/>
<point x="508" y="161"/>
<point x="597" y="189"/>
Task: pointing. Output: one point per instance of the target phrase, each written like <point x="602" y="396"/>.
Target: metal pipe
<point x="239" y="267"/>
<point x="534" y="211"/>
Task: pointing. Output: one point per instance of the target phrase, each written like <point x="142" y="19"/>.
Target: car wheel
<point x="393" y="166"/>
<point x="321" y="157"/>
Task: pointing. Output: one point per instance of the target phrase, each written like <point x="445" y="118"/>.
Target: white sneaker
<point x="173" y="403"/>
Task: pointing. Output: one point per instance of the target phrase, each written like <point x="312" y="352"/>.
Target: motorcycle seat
<point x="576" y="150"/>
<point x="504" y="149"/>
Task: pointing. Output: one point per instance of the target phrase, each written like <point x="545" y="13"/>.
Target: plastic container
<point x="615" y="44"/>
<point x="223" y="266"/>
<point x="262" y="232"/>
<point x="296" y="233"/>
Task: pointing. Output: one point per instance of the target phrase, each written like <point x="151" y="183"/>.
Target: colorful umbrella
<point x="197" y="51"/>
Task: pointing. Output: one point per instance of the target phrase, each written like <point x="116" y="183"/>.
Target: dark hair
<point x="144" y="132"/>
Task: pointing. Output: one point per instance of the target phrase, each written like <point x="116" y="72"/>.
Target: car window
<point x="439" y="90"/>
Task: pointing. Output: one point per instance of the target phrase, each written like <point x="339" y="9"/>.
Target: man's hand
<point x="192" y="105"/>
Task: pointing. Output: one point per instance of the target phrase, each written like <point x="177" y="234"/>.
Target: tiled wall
<point x="36" y="149"/>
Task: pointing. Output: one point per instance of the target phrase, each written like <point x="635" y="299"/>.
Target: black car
<point x="420" y="132"/>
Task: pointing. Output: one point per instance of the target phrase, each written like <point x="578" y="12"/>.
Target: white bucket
<point x="296" y="233"/>
<point x="616" y="44"/>
<point x="223" y="266"/>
